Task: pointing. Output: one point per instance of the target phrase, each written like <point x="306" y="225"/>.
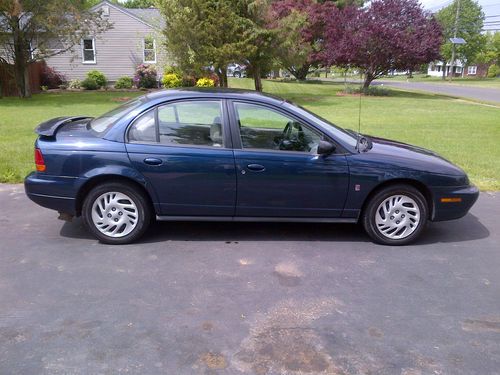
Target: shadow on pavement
<point x="466" y="229"/>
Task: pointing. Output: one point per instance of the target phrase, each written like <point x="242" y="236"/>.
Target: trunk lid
<point x="50" y="127"/>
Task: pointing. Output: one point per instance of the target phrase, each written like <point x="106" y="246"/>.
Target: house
<point x="460" y="70"/>
<point x="134" y="39"/>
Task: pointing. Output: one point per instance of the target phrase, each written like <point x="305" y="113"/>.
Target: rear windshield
<point x="100" y="125"/>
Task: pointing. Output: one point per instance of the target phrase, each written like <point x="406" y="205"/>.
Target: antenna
<point x="359" y="111"/>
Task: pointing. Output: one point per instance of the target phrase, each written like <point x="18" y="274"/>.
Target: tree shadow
<point x="466" y="229"/>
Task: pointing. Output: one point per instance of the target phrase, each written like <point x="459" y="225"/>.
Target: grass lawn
<point x="466" y="133"/>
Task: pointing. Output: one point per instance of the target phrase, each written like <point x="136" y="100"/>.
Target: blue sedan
<point x="231" y="155"/>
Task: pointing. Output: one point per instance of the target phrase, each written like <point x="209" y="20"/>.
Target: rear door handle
<point x="153" y="161"/>
<point x="256" y="167"/>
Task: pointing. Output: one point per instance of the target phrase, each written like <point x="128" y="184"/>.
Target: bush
<point x="371" y="91"/>
<point x="188" y="81"/>
<point x="146" y="76"/>
<point x="75" y="84"/>
<point x="493" y="71"/>
<point x="90" y="83"/>
<point x="51" y="78"/>
<point x="98" y="77"/>
<point x="171" y="80"/>
<point x="124" y="83"/>
<point x="205" y="82"/>
<point x="170" y="69"/>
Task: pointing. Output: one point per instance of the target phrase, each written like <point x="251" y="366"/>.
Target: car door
<point x="279" y="173"/>
<point x="183" y="149"/>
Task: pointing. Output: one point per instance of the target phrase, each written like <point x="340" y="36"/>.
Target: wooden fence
<point x="8" y="84"/>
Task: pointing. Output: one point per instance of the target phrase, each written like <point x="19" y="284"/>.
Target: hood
<point x="412" y="157"/>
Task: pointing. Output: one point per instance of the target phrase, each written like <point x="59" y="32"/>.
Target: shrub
<point x="493" y="71"/>
<point x="98" y="77"/>
<point x="371" y="91"/>
<point x="124" y="83"/>
<point x="170" y="69"/>
<point x="171" y="80"/>
<point x="75" y="84"/>
<point x="51" y="78"/>
<point x="63" y="86"/>
<point x="90" y="83"/>
<point x="205" y="82"/>
<point x="188" y="81"/>
<point x="146" y="76"/>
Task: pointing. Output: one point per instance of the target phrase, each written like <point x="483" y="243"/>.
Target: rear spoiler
<point x="49" y="128"/>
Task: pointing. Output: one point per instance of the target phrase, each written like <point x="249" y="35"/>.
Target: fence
<point x="8" y="84"/>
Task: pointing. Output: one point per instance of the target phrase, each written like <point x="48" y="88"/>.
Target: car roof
<point x="194" y="92"/>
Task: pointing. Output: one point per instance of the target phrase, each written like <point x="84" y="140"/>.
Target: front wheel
<point x="116" y="213"/>
<point x="396" y="215"/>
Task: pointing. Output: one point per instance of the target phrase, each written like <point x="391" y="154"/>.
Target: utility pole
<point x="453" y="45"/>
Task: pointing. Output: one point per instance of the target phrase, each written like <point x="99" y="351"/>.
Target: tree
<point x="386" y="35"/>
<point x="490" y="52"/>
<point x="468" y="27"/>
<point x="299" y="25"/>
<point x="139" y="4"/>
<point x="31" y="29"/>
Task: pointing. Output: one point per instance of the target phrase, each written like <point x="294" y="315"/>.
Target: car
<point x="236" y="155"/>
<point x="236" y="70"/>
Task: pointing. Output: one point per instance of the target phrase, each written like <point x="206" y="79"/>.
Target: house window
<point x="88" y="47"/>
<point x="149" y="50"/>
<point x="458" y="69"/>
<point x="472" y="70"/>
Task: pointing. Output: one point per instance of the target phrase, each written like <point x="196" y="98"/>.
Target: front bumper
<point x="458" y="201"/>
<point x="54" y="192"/>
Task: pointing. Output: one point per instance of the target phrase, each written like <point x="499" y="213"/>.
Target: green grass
<point x="493" y="83"/>
<point x="466" y="133"/>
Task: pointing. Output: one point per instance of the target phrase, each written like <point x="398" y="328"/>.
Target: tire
<point x="122" y="203"/>
<point x="237" y="75"/>
<point x="395" y="215"/>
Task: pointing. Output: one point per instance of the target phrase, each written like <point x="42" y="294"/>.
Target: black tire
<point x="237" y="75"/>
<point x="144" y="211"/>
<point x="370" y="212"/>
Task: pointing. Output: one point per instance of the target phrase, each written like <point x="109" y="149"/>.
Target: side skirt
<point x="259" y="219"/>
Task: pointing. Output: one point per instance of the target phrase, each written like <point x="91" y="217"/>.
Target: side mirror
<point x="325" y="148"/>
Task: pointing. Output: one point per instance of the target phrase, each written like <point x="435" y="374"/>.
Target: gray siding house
<point x="134" y="39"/>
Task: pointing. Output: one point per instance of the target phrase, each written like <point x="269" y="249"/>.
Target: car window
<point x="101" y="124"/>
<point x="265" y="128"/>
<point x="191" y="123"/>
<point x="143" y="129"/>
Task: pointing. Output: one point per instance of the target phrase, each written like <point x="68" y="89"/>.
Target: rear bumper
<point x="453" y="209"/>
<point x="54" y="192"/>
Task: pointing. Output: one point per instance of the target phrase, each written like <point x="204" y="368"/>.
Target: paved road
<point x="470" y="92"/>
<point x="221" y="298"/>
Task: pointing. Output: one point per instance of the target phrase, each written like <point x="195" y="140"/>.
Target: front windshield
<point x="101" y="124"/>
<point x="339" y="133"/>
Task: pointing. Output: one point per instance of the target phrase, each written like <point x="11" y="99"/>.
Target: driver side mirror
<point x="325" y="148"/>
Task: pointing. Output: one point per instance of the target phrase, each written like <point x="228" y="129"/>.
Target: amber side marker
<point x="451" y="200"/>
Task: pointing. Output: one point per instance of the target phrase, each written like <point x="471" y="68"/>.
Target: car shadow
<point x="466" y="229"/>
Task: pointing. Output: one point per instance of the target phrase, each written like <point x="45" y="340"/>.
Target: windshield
<point x="340" y="134"/>
<point x="102" y="124"/>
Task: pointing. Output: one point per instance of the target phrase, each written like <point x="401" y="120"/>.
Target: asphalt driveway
<point x="240" y="298"/>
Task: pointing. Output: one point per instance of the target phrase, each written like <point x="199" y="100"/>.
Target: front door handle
<point x="153" y="161"/>
<point x="256" y="167"/>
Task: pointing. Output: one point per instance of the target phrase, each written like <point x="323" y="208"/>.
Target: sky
<point x="491" y="9"/>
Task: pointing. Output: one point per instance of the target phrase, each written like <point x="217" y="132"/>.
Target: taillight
<point x="39" y="162"/>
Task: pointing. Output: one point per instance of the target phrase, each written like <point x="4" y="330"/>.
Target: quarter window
<point x="265" y="128"/>
<point x="149" y="50"/>
<point x="196" y="123"/>
<point x="88" y="51"/>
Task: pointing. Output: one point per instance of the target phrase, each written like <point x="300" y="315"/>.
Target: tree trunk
<point x="368" y="79"/>
<point x="222" y="74"/>
<point x="21" y="72"/>
<point x="444" y="71"/>
<point x="300" y="73"/>
<point x="256" y="78"/>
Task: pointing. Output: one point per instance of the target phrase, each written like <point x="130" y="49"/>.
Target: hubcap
<point x="397" y="217"/>
<point x="114" y="214"/>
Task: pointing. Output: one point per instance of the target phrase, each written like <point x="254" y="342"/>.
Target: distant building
<point x="459" y="70"/>
<point x="134" y="39"/>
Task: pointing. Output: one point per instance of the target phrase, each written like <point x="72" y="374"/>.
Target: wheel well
<point x="93" y="182"/>
<point x="403" y="181"/>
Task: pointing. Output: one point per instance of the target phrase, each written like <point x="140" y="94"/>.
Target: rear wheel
<point x="116" y="213"/>
<point x="237" y="75"/>
<point x="396" y="215"/>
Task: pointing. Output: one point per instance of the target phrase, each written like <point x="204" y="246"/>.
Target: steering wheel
<point x="289" y="141"/>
